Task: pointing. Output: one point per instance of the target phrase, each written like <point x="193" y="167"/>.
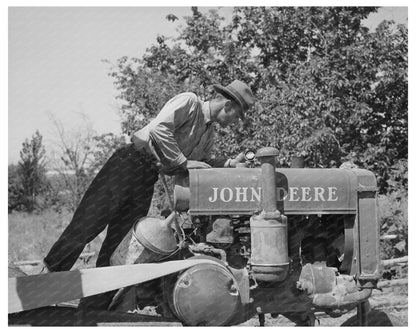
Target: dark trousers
<point x="120" y="194"/>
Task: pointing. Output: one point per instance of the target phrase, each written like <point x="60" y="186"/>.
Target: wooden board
<point x="34" y="291"/>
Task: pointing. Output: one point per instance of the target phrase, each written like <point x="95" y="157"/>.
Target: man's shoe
<point x="44" y="269"/>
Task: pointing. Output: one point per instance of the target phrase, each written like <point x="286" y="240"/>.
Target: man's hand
<point x="191" y="164"/>
<point x="239" y="159"/>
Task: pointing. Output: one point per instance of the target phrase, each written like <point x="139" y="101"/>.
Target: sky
<point x="55" y="66"/>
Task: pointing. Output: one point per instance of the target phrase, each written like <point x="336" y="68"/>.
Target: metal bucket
<point x="149" y="240"/>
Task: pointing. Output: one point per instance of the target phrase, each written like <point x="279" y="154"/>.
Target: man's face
<point x="230" y="114"/>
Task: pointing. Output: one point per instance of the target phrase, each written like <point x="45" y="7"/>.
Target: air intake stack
<point x="269" y="245"/>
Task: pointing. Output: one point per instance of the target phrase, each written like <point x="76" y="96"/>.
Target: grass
<point x="32" y="235"/>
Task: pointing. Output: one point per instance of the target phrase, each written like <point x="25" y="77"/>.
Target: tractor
<point x="257" y="240"/>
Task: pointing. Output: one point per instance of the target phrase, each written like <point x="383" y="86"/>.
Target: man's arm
<point x="192" y="164"/>
<point x="222" y="161"/>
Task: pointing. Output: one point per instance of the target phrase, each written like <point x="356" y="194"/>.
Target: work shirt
<point x="182" y="130"/>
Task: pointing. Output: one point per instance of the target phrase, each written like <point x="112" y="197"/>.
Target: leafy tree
<point x="31" y="170"/>
<point x="142" y="91"/>
<point x="326" y="87"/>
<point x="15" y="189"/>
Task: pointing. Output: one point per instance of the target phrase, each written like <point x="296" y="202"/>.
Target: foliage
<point x="72" y="157"/>
<point x="16" y="191"/>
<point x="80" y="154"/>
<point x="27" y="180"/>
<point x="142" y="91"/>
<point x="393" y="213"/>
<point x="104" y="146"/>
<point x="57" y="196"/>
<point x="327" y="88"/>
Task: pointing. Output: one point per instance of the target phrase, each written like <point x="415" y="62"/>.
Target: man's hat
<point x="239" y="92"/>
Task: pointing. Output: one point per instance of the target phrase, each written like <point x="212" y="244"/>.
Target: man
<point x="181" y="137"/>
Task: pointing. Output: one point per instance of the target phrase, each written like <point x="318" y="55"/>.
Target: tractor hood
<point x="299" y="191"/>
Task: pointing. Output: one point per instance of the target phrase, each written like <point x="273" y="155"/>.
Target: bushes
<point x="393" y="212"/>
<point x="27" y="179"/>
<point x="53" y="195"/>
<point x="16" y="191"/>
<point x="326" y="87"/>
<point x="393" y="215"/>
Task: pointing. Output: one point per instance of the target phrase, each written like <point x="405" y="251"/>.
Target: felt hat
<point x="239" y="92"/>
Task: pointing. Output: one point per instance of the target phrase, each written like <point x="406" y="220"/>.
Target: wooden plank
<point x="388" y="237"/>
<point x="391" y="262"/>
<point x="34" y="291"/>
<point x="392" y="283"/>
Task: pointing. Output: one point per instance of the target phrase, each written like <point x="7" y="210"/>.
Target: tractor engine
<point x="290" y="241"/>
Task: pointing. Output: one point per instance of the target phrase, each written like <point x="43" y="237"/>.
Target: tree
<point x="104" y="146"/>
<point x="326" y="87"/>
<point x="15" y="189"/>
<point x="73" y="157"/>
<point x="80" y="155"/>
<point x="31" y="170"/>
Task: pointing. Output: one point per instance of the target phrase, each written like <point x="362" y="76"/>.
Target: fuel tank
<point x="204" y="295"/>
<point x="298" y="191"/>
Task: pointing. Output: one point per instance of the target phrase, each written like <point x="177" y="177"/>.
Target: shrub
<point x="15" y="189"/>
<point x="393" y="213"/>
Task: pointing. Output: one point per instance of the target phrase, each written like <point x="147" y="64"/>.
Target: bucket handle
<point x="178" y="229"/>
